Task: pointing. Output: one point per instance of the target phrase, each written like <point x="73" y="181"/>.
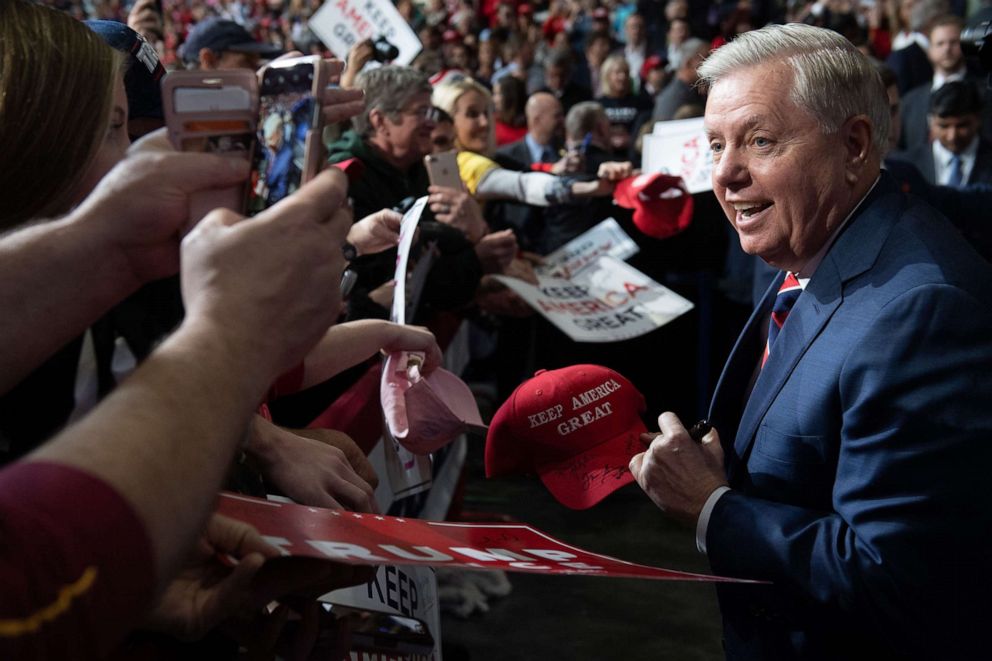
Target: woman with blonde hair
<point x="625" y="109"/>
<point x="471" y="108"/>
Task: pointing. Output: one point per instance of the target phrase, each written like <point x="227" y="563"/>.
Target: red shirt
<point x="76" y="566"/>
<point x="505" y="134"/>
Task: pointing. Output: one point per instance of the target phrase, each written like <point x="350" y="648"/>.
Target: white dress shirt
<point x="942" y="161"/>
<point x="939" y="80"/>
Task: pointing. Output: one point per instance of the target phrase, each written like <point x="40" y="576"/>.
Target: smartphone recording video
<point x="213" y="112"/>
<point x="287" y="149"/>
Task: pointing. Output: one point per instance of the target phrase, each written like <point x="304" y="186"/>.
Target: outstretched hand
<point x="376" y="232"/>
<point x="208" y="590"/>
<point x="458" y="209"/>
<point x="143" y="204"/>
<point x="496" y="251"/>
<point x="306" y="467"/>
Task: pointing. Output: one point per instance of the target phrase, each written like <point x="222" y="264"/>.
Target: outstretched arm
<point x="57" y="277"/>
<point x="345" y="345"/>
<point x="164" y="439"/>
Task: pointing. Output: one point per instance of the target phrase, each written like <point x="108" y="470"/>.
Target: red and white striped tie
<point x="784" y="300"/>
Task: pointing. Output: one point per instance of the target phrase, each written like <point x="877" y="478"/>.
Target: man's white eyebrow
<point x="754" y="121"/>
<point x="749" y="123"/>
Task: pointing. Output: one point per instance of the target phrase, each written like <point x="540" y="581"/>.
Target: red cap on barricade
<point x="577" y="427"/>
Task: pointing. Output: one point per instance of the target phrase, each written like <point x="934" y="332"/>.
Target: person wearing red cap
<point x="852" y="416"/>
<point x="654" y="76"/>
<point x="525" y="18"/>
<point x="681" y="90"/>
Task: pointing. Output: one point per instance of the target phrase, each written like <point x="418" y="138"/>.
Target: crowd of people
<point x="156" y="357"/>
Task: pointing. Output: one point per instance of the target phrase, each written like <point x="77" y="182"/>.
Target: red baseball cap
<point x="577" y="427"/>
<point x="662" y="205"/>
<point x="651" y="62"/>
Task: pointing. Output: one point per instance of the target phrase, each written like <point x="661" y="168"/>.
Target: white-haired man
<point x="855" y="406"/>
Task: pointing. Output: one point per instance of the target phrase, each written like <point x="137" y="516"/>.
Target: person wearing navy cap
<point x="217" y="43"/>
<point x="142" y="78"/>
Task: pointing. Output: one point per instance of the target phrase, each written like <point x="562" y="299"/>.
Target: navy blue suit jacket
<point x="922" y="158"/>
<point x="916" y="104"/>
<point x="911" y="66"/>
<point x="858" y="463"/>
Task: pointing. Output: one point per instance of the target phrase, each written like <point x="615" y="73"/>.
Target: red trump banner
<point x="372" y="539"/>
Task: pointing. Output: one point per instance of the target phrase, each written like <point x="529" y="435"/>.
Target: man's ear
<point x="377" y="120"/>
<point x="858" y="133"/>
<point x="208" y="59"/>
<point x="931" y="136"/>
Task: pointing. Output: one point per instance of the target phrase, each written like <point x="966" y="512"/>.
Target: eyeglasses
<point x="437" y="115"/>
<point x="429" y="113"/>
<point x="421" y="112"/>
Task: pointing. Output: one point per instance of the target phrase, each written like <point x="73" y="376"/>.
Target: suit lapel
<point x="980" y="173"/>
<point x="524" y="154"/>
<point x="731" y="388"/>
<point x="927" y="165"/>
<point x="806" y="320"/>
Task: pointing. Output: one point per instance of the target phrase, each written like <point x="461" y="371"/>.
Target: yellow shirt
<point x="472" y="168"/>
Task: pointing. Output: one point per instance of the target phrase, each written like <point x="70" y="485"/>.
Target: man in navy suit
<point x="852" y="426"/>
<point x="957" y="154"/>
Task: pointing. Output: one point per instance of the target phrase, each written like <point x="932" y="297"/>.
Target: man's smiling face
<point x="779" y="178"/>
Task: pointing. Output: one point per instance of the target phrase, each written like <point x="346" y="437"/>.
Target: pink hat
<point x="662" y="205"/>
<point x="425" y="413"/>
<point x="577" y="427"/>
